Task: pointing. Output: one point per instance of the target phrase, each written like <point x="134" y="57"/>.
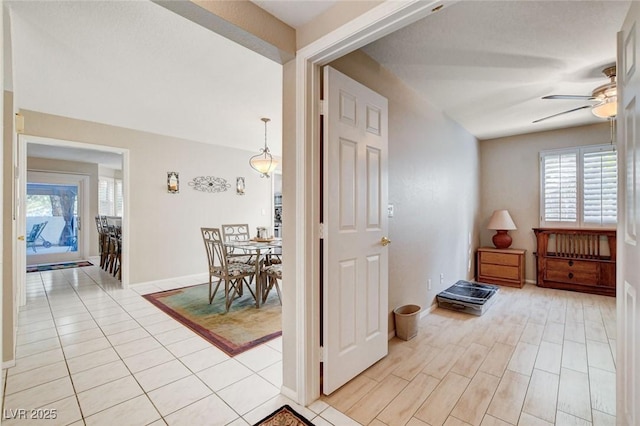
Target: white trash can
<point x="406" y="318"/>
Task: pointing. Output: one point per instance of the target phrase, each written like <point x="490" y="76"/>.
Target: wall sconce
<point x="240" y="185"/>
<point x="173" y="183"/>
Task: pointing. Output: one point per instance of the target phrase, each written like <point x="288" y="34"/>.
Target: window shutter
<point x="105" y="196"/>
<point x="560" y="187"/>
<point x="118" y="197"/>
<point x="600" y="187"/>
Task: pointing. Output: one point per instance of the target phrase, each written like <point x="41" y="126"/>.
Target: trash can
<point x="406" y="318"/>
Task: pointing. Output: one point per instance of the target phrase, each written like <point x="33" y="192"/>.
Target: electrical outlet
<point x="441" y="278"/>
<point x="429" y="284"/>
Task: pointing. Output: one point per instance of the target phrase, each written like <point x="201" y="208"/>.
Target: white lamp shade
<point x="501" y="220"/>
<point x="264" y="165"/>
<point x="607" y="109"/>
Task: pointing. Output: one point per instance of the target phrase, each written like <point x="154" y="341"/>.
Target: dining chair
<point x="273" y="274"/>
<point x="237" y="232"/>
<point x="234" y="275"/>
<point x="114" y="250"/>
<point x="102" y="225"/>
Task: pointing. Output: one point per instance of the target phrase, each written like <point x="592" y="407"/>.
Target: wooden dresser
<point x="577" y="259"/>
<point x="501" y="266"/>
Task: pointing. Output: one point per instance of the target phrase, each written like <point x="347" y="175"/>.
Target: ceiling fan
<point x="605" y="96"/>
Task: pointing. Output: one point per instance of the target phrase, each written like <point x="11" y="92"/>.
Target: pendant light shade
<point x="264" y="163"/>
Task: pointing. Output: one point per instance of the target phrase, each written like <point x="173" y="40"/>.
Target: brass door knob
<point x="21" y="238"/>
<point x="385" y="241"/>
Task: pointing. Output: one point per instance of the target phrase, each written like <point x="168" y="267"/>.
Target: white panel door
<point x="628" y="279"/>
<point x="355" y="271"/>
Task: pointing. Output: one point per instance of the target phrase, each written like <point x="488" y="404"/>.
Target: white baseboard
<point x="289" y="393"/>
<point x="426" y="312"/>
<point x="185" y="278"/>
<point x="423" y="314"/>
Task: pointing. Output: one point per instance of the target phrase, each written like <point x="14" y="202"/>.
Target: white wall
<point x="510" y="179"/>
<point x="165" y="239"/>
<point x="433" y="185"/>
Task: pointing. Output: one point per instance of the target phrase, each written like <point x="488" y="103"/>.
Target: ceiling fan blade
<point x="571" y="97"/>
<point x="562" y="113"/>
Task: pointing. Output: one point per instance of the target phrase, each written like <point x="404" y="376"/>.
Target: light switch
<point x="390" y="210"/>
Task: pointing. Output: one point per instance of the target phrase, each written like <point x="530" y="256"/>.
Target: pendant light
<point x="264" y="163"/>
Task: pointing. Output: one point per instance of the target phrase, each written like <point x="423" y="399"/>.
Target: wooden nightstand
<point x="501" y="266"/>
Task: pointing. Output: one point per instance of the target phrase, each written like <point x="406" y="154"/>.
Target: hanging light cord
<point x="266" y="148"/>
<point x="612" y="125"/>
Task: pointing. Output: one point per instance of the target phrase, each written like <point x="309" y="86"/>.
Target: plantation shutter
<point x="118" y="198"/>
<point x="600" y="185"/>
<point x="560" y="184"/>
<point x="105" y="196"/>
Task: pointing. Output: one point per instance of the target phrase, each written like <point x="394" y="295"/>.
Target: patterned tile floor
<point x="98" y="354"/>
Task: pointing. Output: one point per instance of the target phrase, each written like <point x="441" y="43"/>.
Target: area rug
<point x="284" y="416"/>
<point x="53" y="266"/>
<point x="236" y="331"/>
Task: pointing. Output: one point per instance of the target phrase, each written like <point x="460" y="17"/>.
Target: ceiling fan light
<point x="606" y="109"/>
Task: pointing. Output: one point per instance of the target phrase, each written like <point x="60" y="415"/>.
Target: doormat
<point x="54" y="266"/>
<point x="284" y="415"/>
<point x="242" y="328"/>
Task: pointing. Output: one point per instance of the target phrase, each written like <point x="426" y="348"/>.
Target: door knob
<point x="385" y="241"/>
<point x="21" y="238"/>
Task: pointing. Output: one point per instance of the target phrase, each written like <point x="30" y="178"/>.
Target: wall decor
<point x="173" y="182"/>
<point x="240" y="185"/>
<point x="209" y="184"/>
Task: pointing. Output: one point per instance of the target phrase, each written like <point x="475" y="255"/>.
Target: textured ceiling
<point x="106" y="159"/>
<point x="486" y="64"/>
<point x="295" y="12"/>
<point x="135" y="64"/>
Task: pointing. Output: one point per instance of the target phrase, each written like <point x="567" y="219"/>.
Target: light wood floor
<point x="537" y="357"/>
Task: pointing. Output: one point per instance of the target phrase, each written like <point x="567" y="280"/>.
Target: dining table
<point x="257" y="247"/>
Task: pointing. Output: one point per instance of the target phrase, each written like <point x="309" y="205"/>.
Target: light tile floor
<point x="99" y="354"/>
<point x="537" y="357"/>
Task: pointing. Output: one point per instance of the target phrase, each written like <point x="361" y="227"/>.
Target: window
<point x="109" y="196"/>
<point x="579" y="187"/>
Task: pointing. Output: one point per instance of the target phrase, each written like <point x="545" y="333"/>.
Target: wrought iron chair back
<point x="234" y="275"/>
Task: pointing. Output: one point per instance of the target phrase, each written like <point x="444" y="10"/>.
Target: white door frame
<point x="23" y="140"/>
<point x="66" y="178"/>
<point x="370" y="26"/>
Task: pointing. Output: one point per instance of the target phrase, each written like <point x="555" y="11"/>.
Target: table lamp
<point x="501" y="222"/>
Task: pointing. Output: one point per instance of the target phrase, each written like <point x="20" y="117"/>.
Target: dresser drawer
<point x="506" y="259"/>
<point x="500" y="271"/>
<point x="572" y="271"/>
